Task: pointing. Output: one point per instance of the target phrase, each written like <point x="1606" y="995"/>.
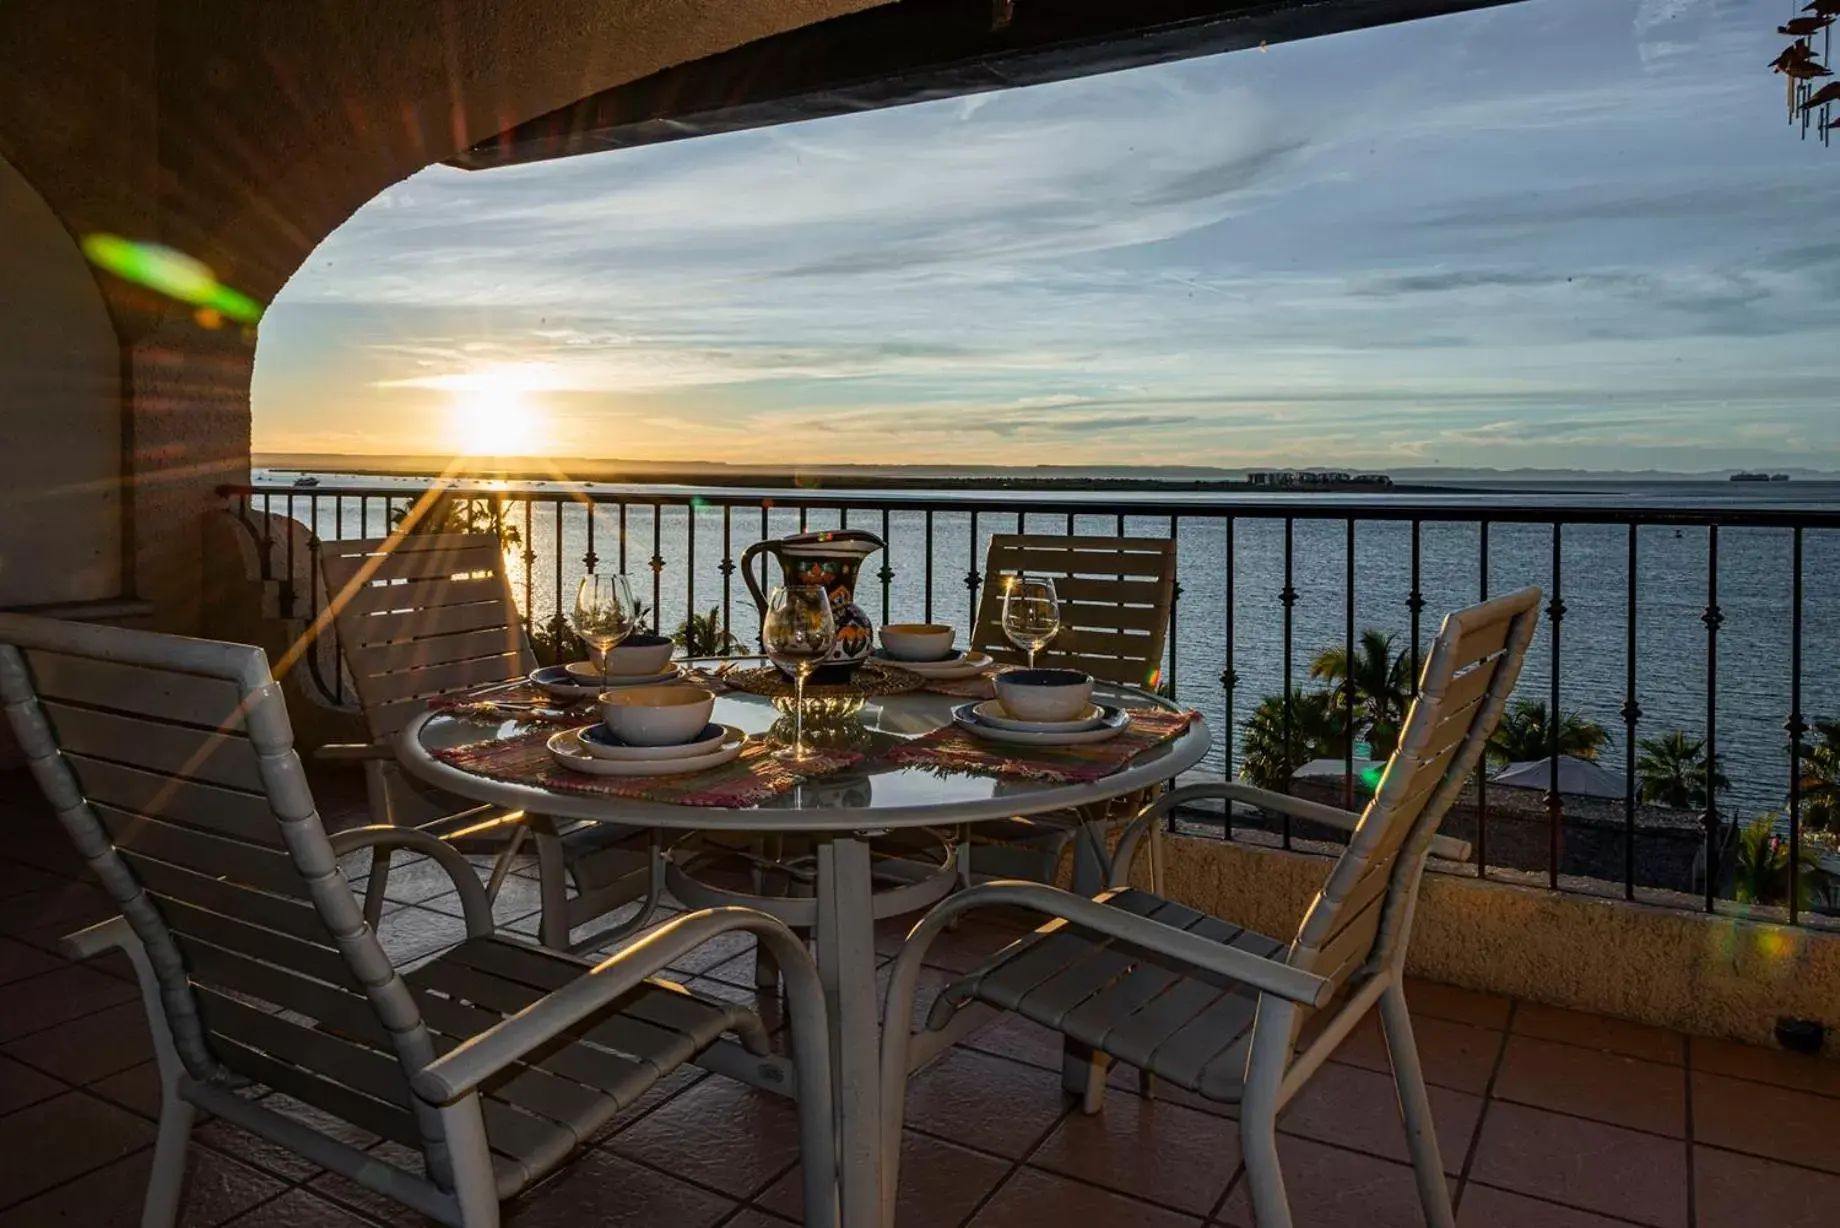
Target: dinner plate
<point x="964" y="664"/>
<point x="991" y="713"/>
<point x="559" y="681"/>
<point x="604" y="743"/>
<point x="1115" y="722"/>
<point x="583" y="673"/>
<point x="566" y="748"/>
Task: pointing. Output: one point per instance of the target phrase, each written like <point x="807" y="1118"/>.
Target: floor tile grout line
<point x="1482" y="1114"/>
<point x="1068" y="1106"/>
<point x="93" y="1169"/>
<point x="1543" y="1200"/>
<point x="62" y="1023"/>
<point x="1220" y="1204"/>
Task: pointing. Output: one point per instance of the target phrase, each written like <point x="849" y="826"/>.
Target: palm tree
<point x="703" y="635"/>
<point x="1317" y="732"/>
<point x="1675" y="773"/>
<point x="1762" y="870"/>
<point x="1382" y="681"/>
<point x="451" y="515"/>
<point x="1821" y="779"/>
<point x="1526" y="733"/>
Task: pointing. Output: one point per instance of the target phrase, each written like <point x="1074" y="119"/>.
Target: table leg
<point x="1089" y="860"/>
<point x="846" y="964"/>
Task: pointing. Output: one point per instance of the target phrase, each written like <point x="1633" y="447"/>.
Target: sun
<point x="491" y="413"/>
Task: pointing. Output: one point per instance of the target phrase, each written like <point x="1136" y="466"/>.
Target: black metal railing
<point x="1266" y="583"/>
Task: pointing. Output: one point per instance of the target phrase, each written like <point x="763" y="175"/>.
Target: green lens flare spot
<point x="169" y="272"/>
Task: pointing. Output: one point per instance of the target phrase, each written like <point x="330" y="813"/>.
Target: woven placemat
<point x="871" y="678"/>
<point x="952" y="749"/>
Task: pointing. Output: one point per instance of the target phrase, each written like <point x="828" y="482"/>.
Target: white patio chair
<point x="1217" y="1009"/>
<point x="421" y="616"/>
<point x="170" y="762"/>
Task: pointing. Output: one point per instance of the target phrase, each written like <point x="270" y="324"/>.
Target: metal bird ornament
<point x="1795" y="55"/>
<point x="1802" y="64"/>
<point x="1821" y="97"/>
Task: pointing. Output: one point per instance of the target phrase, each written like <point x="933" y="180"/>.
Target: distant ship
<point x="1760" y="477"/>
<point x="306" y="481"/>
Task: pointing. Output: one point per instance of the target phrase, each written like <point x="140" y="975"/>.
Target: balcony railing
<point x="1715" y="621"/>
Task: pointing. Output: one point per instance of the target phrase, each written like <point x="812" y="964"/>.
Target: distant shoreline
<point x="841" y="477"/>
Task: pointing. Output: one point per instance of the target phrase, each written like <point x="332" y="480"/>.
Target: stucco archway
<point x="244" y="134"/>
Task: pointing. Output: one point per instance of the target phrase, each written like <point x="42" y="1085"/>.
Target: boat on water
<point x="1760" y="477"/>
<point x="306" y="481"/>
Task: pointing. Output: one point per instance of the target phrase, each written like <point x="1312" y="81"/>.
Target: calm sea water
<point x="1755" y="580"/>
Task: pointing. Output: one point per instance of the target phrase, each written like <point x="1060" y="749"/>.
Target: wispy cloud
<point x="1565" y="232"/>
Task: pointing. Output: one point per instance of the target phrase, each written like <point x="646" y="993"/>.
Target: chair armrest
<point x="91" y="941"/>
<point x="1448" y="848"/>
<point x="461" y="1070"/>
<point x="475" y="906"/>
<point x="1266" y="975"/>
<point x="353" y="752"/>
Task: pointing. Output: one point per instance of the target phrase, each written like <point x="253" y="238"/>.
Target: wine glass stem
<point x="1031" y="656"/>
<point x="798" y="716"/>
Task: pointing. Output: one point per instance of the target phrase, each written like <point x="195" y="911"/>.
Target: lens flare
<point x="172" y="273"/>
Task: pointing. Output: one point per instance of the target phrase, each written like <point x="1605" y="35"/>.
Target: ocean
<point x="1754" y="594"/>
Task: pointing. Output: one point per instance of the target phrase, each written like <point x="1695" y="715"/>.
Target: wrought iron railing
<point x="1637" y="634"/>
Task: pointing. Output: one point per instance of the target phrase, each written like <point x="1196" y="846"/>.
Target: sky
<point x="1560" y="233"/>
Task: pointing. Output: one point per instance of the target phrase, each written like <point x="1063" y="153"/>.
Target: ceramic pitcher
<point x="832" y="559"/>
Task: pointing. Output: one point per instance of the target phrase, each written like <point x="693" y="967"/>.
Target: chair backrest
<point x="1115" y="593"/>
<point x="420" y="615"/>
<point x="1363" y="912"/>
<point x="171" y="764"/>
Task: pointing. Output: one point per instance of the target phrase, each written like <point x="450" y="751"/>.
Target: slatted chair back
<point x="171" y="764"/>
<point x="1115" y="595"/>
<point x="421" y="615"/>
<point x="1363" y="912"/>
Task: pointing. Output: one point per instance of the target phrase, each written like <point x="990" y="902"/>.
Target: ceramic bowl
<point x="1044" y="694"/>
<point x="917" y="641"/>
<point x="656" y="715"/>
<point x="640" y="654"/>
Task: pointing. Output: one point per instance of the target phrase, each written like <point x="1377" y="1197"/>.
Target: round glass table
<point x="870" y="796"/>
<point x="844" y="808"/>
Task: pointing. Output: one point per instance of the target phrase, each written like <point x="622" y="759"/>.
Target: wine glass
<point x="1031" y="613"/>
<point x="797" y="633"/>
<point x="605" y="614"/>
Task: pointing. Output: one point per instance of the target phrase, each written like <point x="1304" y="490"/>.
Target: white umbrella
<point x="1577" y="777"/>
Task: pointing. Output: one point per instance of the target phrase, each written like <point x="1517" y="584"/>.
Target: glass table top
<point x="873" y="790"/>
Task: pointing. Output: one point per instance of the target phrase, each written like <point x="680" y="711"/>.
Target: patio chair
<point x="421" y="616"/>
<point x="1116" y="594"/>
<point x="1130" y="976"/>
<point x="170" y="762"/>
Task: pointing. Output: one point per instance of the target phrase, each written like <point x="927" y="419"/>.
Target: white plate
<point x="557" y="680"/>
<point x="582" y="673"/>
<point x="603" y="743"/>
<point x="1116" y="722"/>
<point x="991" y="713"/>
<point x="958" y="665"/>
<point x="565" y="748"/>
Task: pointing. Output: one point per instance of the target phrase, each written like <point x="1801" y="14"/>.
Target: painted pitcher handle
<point x="747" y="572"/>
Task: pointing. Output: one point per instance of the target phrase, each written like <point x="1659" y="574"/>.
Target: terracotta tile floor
<point x="1547" y="1118"/>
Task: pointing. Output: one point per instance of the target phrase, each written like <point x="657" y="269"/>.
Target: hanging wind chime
<point x="1801" y="67"/>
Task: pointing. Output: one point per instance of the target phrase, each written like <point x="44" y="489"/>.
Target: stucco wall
<point x="60" y="534"/>
<point x="243" y="134"/>
<point x="1712" y="976"/>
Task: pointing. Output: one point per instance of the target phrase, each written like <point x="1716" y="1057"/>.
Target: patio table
<point x="845" y="809"/>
